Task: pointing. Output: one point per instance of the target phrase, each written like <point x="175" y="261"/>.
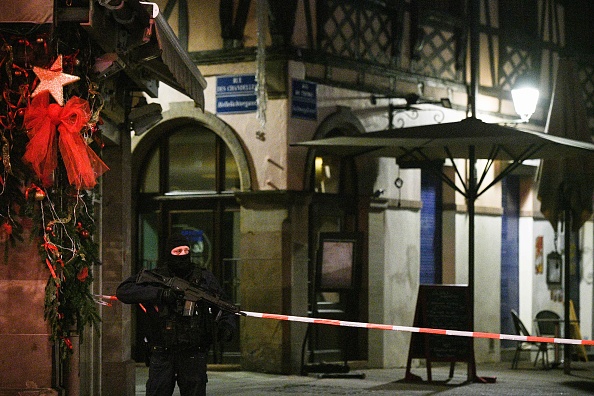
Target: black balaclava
<point x="180" y="265"/>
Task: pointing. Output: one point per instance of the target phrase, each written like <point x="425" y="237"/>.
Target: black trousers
<point x="186" y="367"/>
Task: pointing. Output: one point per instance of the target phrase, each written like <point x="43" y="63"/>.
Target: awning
<point x="424" y="144"/>
<point x="149" y="49"/>
<point x="452" y="140"/>
<point x="32" y="11"/>
<point x="174" y="67"/>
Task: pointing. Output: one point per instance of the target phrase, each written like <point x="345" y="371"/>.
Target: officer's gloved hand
<point x="225" y="332"/>
<point x="169" y="296"/>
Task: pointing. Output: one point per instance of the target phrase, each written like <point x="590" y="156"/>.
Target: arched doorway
<point x="185" y="177"/>
<point x="336" y="211"/>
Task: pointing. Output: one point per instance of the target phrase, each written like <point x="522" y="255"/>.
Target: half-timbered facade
<point x="219" y="161"/>
<point x="371" y="65"/>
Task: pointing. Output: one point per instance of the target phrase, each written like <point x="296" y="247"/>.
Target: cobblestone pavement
<point x="526" y="380"/>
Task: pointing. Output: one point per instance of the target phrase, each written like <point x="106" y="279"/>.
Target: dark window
<point x="453" y="8"/>
<point x="520" y="16"/>
<point x="193" y="159"/>
<point x="359" y="29"/>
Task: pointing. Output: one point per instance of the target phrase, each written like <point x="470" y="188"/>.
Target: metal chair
<point x="527" y="346"/>
<point x="548" y="324"/>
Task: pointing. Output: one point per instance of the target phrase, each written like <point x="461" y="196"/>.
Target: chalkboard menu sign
<point x="441" y="307"/>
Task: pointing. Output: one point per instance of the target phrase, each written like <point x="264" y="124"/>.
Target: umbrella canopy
<point x="567" y="183"/>
<point x="452" y="140"/>
<point x="455" y="140"/>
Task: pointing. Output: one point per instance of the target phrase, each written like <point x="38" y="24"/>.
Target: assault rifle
<point x="189" y="292"/>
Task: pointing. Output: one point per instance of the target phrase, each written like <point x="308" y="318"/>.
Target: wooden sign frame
<point x="442" y="307"/>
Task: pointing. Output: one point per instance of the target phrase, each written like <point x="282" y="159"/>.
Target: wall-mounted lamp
<point x="377" y="193"/>
<point x="144" y="116"/>
<point x="407" y="106"/>
<point x="411" y="99"/>
<point x="525" y="96"/>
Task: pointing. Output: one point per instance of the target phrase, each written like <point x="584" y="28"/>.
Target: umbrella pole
<point x="474" y="32"/>
<point x="471" y="198"/>
<point x="567" y="286"/>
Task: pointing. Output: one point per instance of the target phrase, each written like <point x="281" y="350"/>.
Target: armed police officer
<point x="178" y="341"/>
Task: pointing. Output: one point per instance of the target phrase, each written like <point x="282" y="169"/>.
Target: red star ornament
<point x="53" y="80"/>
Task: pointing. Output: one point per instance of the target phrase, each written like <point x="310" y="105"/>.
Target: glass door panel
<point x="198" y="227"/>
<point x="149" y="240"/>
<point x="186" y="185"/>
<point x="192" y="160"/>
<point x="231" y="264"/>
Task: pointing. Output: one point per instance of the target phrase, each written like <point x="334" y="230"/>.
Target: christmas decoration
<point x="39" y="196"/>
<point x="69" y="303"/>
<point x="261" y="93"/>
<point x="52" y="80"/>
<point x="49" y="117"/>
<point x="41" y="118"/>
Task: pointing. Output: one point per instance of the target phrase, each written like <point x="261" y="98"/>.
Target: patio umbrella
<point x="470" y="139"/>
<point x="566" y="185"/>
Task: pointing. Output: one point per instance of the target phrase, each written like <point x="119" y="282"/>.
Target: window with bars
<point x="454" y="8"/>
<point x="519" y="16"/>
<point x="519" y="48"/>
<point x="438" y="39"/>
<point x="586" y="78"/>
<point x="359" y="30"/>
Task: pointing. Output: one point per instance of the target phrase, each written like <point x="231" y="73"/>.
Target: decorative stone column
<point x="273" y="276"/>
<point x="394" y="264"/>
<point x="117" y="367"/>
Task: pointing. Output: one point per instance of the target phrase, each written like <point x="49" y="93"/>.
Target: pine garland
<point x="63" y="217"/>
<point x="70" y="253"/>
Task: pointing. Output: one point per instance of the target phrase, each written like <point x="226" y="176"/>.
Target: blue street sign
<point x="236" y="94"/>
<point x="304" y="103"/>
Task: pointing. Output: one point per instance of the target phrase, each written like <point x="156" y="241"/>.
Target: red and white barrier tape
<point x="103" y="299"/>
<point x="458" y="333"/>
<point x="409" y="329"/>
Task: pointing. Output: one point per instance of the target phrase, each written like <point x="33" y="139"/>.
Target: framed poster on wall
<point x="554" y="268"/>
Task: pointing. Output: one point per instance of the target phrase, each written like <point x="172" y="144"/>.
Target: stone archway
<point x="181" y="114"/>
<point x="343" y="120"/>
<point x="336" y="206"/>
<point x="215" y="213"/>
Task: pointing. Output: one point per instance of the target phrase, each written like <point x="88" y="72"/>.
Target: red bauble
<point x="83" y="274"/>
<point x="85" y="234"/>
<point x="39" y="195"/>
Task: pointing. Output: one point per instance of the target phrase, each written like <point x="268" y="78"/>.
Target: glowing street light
<point x="525" y="97"/>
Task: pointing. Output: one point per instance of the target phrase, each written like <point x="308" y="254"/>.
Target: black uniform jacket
<point x="167" y="327"/>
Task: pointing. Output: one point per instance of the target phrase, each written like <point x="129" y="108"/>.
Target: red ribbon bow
<point x="42" y="119"/>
